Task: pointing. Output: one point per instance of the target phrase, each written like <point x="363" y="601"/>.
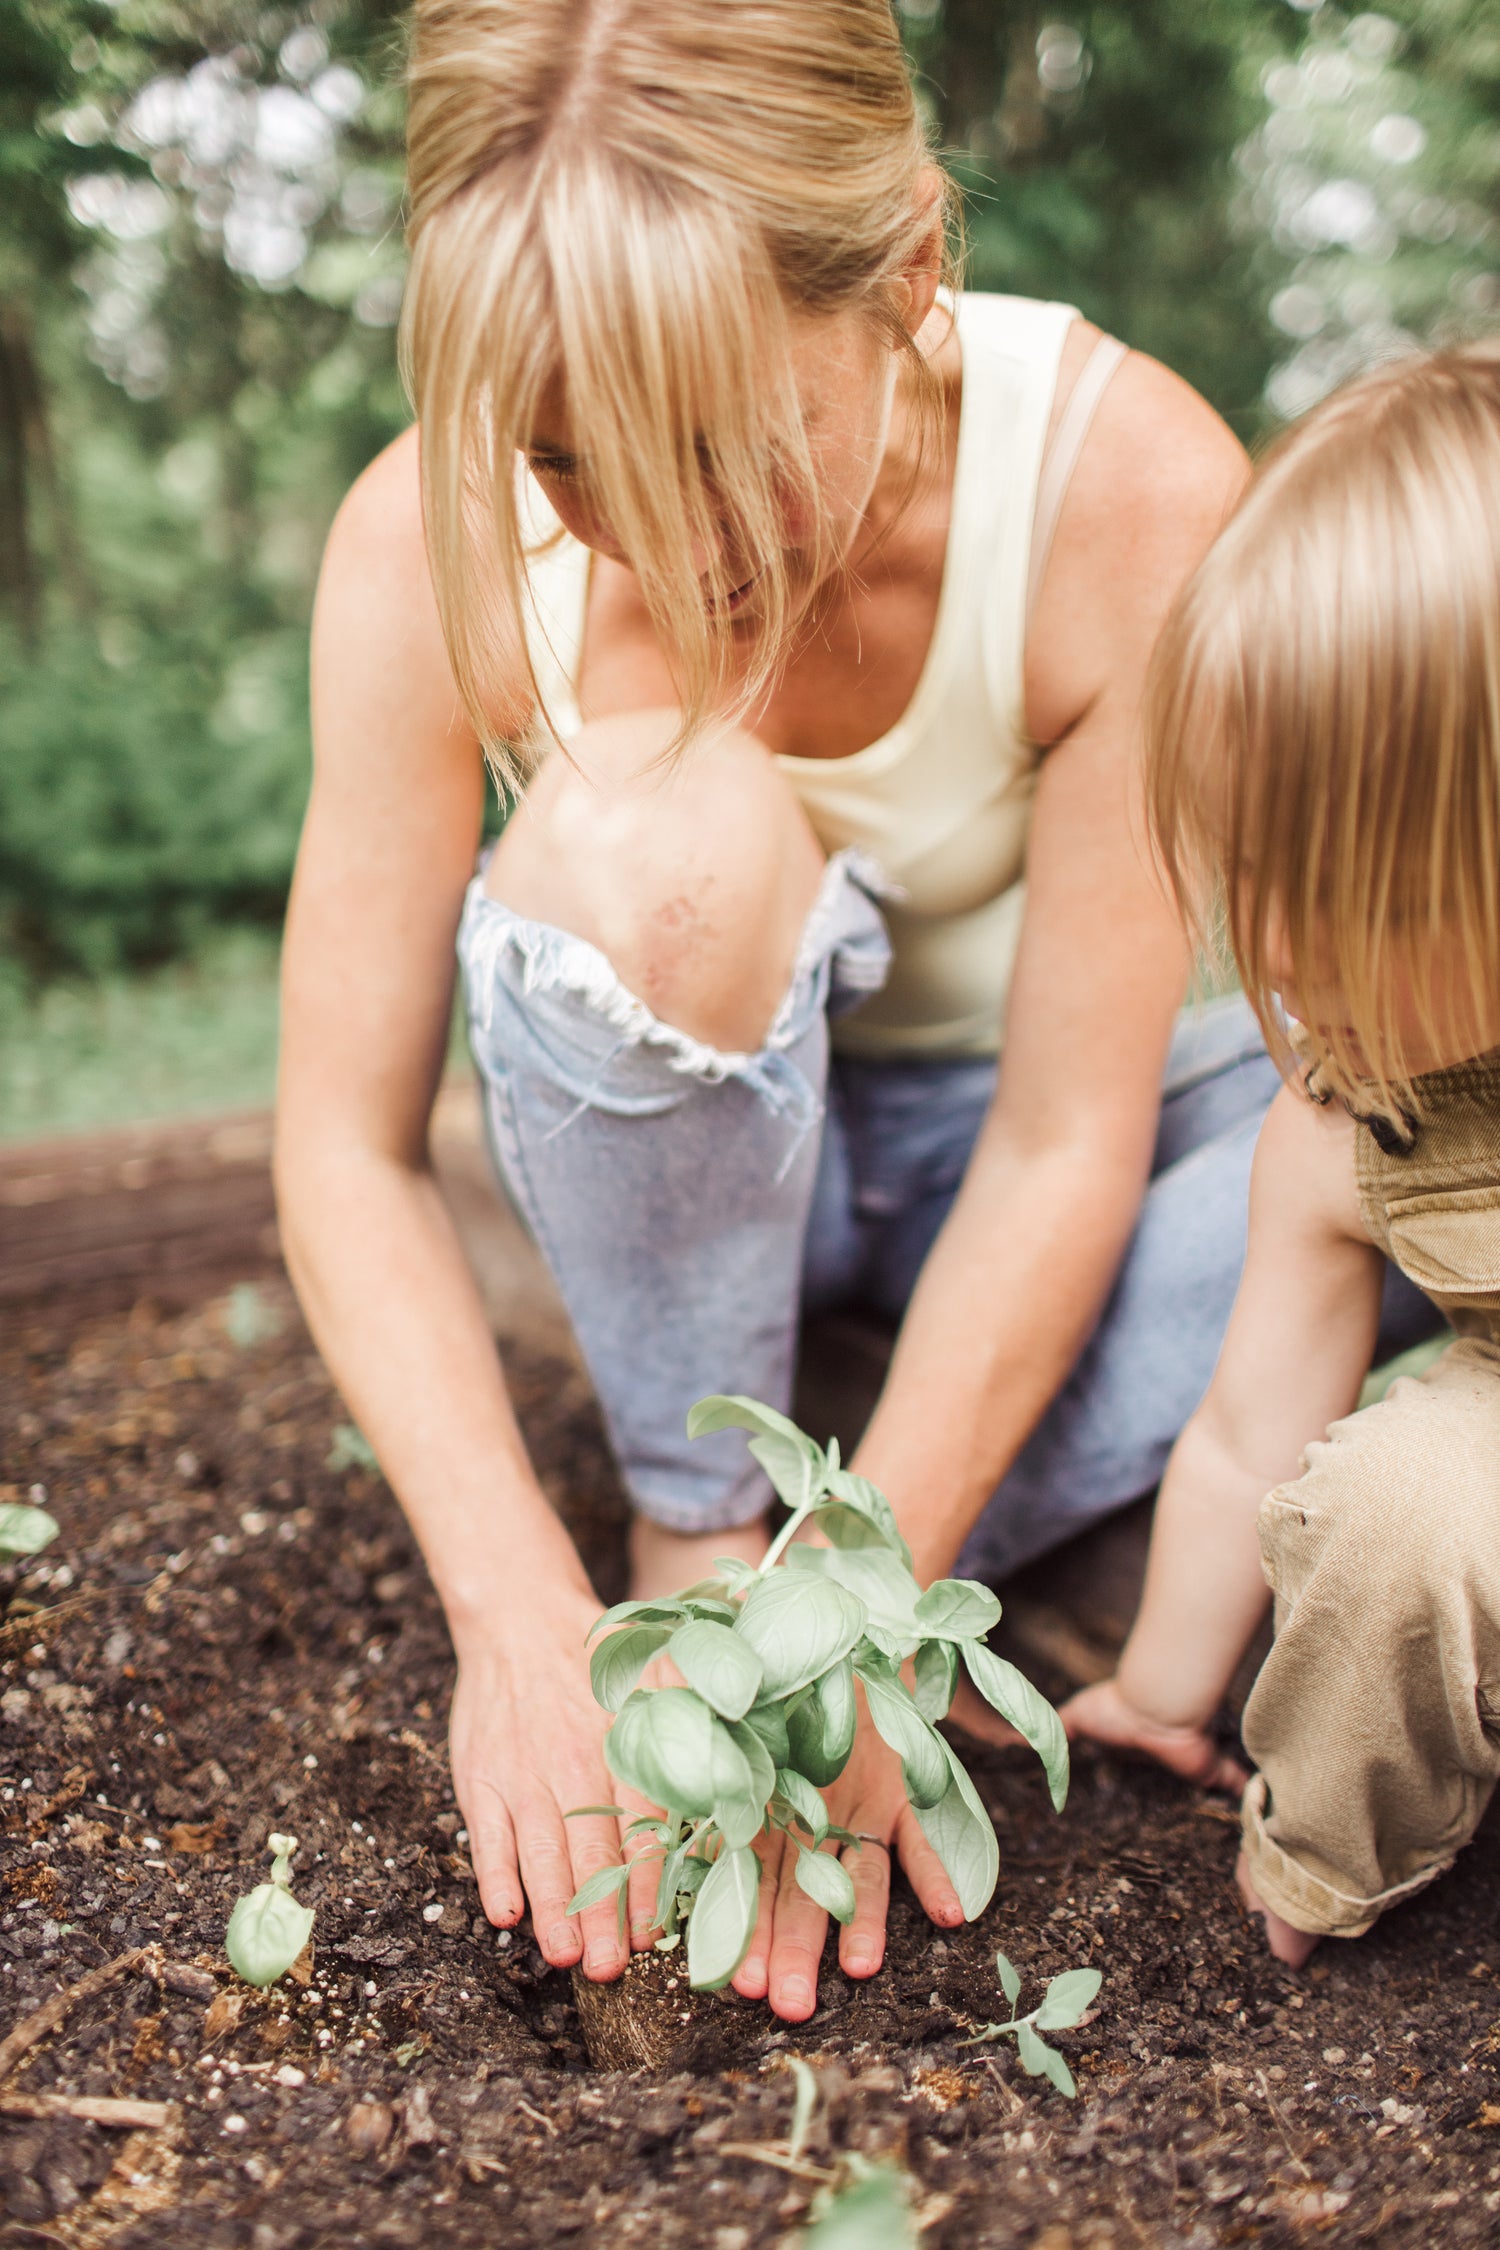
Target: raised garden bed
<point x="231" y="1637"/>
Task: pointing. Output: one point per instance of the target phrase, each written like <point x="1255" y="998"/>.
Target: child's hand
<point x="1103" y="1714"/>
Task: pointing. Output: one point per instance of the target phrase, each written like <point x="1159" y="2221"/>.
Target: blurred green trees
<point x="200" y="268"/>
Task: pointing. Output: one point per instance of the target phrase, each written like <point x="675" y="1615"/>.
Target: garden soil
<point x="233" y="1635"/>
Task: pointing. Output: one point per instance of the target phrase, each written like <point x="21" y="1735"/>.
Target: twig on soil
<point x="92" y="2109"/>
<point x="778" y="2160"/>
<point x="50" y="2014"/>
<point x="1281" y="2124"/>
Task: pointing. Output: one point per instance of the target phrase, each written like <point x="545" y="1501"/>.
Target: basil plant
<point x="765" y="1719"/>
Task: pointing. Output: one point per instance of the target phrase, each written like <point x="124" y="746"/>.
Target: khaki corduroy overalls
<point x="1375" y="1721"/>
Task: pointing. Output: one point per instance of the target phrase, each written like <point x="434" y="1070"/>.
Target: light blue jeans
<point x="691" y="1203"/>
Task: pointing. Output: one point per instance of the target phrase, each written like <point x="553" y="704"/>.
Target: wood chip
<point x="51" y="2013"/>
<point x="92" y="2109"/>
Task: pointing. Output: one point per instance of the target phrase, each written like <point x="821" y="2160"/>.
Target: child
<point x="1324" y="774"/>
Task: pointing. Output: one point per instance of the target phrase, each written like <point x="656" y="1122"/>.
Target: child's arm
<point x="1296" y="1353"/>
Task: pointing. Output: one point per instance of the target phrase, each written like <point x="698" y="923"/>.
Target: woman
<point x="766" y="574"/>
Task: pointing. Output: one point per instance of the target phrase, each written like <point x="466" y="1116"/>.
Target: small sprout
<point x="248" y="1318"/>
<point x="1066" y="2001"/>
<point x="24" y="1530"/>
<point x="268" y="1929"/>
<point x="351" y="1449"/>
<point x="872" y="2212"/>
<point x="772" y="1659"/>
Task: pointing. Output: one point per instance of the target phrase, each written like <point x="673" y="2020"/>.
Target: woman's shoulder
<point x="377" y="533"/>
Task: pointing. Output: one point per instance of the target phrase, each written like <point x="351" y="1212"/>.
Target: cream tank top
<point x="942" y="802"/>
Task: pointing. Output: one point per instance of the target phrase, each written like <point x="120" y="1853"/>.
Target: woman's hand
<point x="527" y="1745"/>
<point x="1104" y="1714"/>
<point x="869" y="1800"/>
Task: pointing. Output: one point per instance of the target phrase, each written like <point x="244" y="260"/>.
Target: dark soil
<point x="231" y="1636"/>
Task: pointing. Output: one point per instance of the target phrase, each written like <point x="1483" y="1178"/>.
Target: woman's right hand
<point x="526" y="1739"/>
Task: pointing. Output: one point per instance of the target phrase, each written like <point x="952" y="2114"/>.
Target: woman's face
<point x="846" y="379"/>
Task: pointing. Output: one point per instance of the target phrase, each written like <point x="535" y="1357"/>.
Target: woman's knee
<point x="694" y="876"/>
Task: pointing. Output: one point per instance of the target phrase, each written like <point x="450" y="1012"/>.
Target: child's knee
<point x="1397" y="1504"/>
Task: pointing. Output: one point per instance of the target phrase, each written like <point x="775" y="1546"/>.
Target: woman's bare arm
<point x="1017" y="1277"/>
<point x="1020" y="1271"/>
<point x="386" y="852"/>
<point x="1297" y="1351"/>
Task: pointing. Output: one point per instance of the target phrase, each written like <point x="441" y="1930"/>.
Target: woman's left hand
<point x="870" y="1801"/>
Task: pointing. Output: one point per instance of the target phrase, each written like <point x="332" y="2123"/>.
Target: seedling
<point x="766" y="1719"/>
<point x="268" y="1929"/>
<point x="1066" y="2001"/>
<point x="24" y="1530"/>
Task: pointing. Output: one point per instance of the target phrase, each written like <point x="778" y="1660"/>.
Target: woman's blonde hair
<point x="1323" y="718"/>
<point x="624" y="203"/>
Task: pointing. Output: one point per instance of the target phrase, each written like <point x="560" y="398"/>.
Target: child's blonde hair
<point x="1323" y="720"/>
<point x="625" y="202"/>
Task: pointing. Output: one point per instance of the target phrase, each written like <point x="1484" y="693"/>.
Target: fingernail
<point x="600" y="1959"/>
<point x="860" y="1964"/>
<point x="796" y="1992"/>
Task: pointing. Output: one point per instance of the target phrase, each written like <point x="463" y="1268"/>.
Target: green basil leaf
<point x="25" y="1530"/>
<point x="1031" y="2049"/>
<point x="722" y="1922"/>
<point x="820" y="1729"/>
<point x="1027" y="1710"/>
<point x="581" y="1812"/>
<point x="1068" y="1999"/>
<point x="962" y="1834"/>
<point x="898" y="1722"/>
<point x="804" y="1801"/>
<point x="758" y="1758"/>
<point x="266" y="1933"/>
<point x="958" y="1609"/>
<point x="637" y="1613"/>
<point x="667" y="1744"/>
<point x="1042" y="2061"/>
<point x="872" y="1504"/>
<point x="843" y="1526"/>
<point x="798" y="1626"/>
<point x="718" y="1664"/>
<point x="826" y="1881"/>
<point x="876" y="1577"/>
<point x="936" y="1679"/>
<point x="1010" y="1981"/>
<point x="617" y="1663"/>
<point x="604" y="1884"/>
<point x="870" y="2214"/>
<point x="739" y="1820"/>
<point x="768" y="1722"/>
<point x="794" y="1464"/>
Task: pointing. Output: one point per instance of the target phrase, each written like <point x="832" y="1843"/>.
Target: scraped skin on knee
<point x="1293" y="1946"/>
<point x="694" y="877"/>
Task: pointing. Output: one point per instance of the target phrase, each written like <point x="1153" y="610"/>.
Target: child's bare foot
<point x="663" y="1562"/>
<point x="1288" y="1944"/>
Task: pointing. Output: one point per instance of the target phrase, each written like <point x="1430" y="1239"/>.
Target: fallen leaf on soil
<point x="195" y="1835"/>
<point x="222" y="2015"/>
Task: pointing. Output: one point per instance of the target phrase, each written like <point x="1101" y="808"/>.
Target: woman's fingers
<point x="492" y="1850"/>
<point x="643" y="1851"/>
<point x="595" y="1845"/>
<point x="796" y="1947"/>
<point x="926" y="1873"/>
<point x="752" y="1978"/>
<point x="862" y="1939"/>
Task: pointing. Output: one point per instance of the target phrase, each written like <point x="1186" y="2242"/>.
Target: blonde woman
<point x="1340" y="650"/>
<point x="838" y="594"/>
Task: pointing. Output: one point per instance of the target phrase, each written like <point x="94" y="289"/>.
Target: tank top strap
<point x="1062" y="456"/>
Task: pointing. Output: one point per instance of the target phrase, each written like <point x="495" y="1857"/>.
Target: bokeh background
<point x="200" y="272"/>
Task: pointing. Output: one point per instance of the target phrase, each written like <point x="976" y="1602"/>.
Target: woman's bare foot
<point x="663" y="1562"/>
<point x="1288" y="1944"/>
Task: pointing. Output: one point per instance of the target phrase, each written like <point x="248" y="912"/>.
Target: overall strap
<point x="1061" y="457"/>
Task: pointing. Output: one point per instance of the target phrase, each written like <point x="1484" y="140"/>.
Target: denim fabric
<point x="690" y="1202"/>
